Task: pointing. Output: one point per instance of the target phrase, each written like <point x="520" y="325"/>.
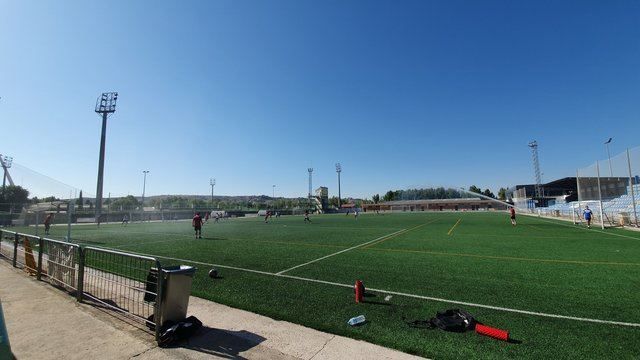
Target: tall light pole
<point x="212" y="182"/>
<point x="6" y="162"/>
<point x="339" y="170"/>
<point x="536" y="168"/>
<point x="609" y="155"/>
<point x="310" y="170"/>
<point x="105" y="105"/>
<point x="274" y="191"/>
<point x="144" y="187"/>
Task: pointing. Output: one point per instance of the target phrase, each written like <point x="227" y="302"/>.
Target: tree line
<point x="436" y="193"/>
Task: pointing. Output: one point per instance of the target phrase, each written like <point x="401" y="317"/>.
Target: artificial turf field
<point x="509" y="277"/>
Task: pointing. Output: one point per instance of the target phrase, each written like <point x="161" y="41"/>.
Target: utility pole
<point x="105" y="105"/>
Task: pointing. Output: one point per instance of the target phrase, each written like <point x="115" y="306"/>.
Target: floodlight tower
<point x="536" y="167"/>
<point x="310" y="170"/>
<point x="144" y="187"/>
<point x="6" y="162"/>
<point x="339" y="170"/>
<point x="212" y="182"/>
<point x="105" y="105"/>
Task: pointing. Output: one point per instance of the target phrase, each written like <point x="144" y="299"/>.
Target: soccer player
<point x="512" y="212"/>
<point x="267" y="216"/>
<point x="206" y="217"/>
<point x="125" y="219"/>
<point x="587" y="215"/>
<point x="306" y="216"/>
<point x="355" y="214"/>
<point x="47" y="223"/>
<point x="197" y="225"/>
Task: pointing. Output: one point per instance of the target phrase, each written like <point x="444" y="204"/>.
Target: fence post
<point x="40" y="251"/>
<point x="15" y="249"/>
<point x="156" y="313"/>
<point x="80" y="286"/>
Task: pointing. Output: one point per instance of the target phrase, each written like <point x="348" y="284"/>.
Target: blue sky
<point x="422" y="93"/>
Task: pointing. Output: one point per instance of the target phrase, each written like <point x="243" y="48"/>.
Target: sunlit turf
<point x="540" y="266"/>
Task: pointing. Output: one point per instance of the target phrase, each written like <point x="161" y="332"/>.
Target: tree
<point x="389" y="196"/>
<point x="50" y="199"/>
<point x="13" y="195"/>
<point x="126" y="203"/>
<point x="475" y="189"/>
<point x="80" y="201"/>
<point x="88" y="202"/>
<point x="502" y="194"/>
<point x="376" y="198"/>
<point x="488" y="193"/>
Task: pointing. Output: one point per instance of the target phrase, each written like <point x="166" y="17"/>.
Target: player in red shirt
<point x="197" y="225"/>
<point x="512" y="211"/>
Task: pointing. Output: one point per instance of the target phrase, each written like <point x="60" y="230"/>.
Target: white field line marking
<point x="454" y="226"/>
<point x="583" y="228"/>
<point x="339" y="252"/>
<point x="498" y="308"/>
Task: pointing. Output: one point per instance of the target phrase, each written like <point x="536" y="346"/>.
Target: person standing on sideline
<point x="197" y="225"/>
<point x="206" y="217"/>
<point x="587" y="215"/>
<point x="47" y="223"/>
<point x="512" y="212"/>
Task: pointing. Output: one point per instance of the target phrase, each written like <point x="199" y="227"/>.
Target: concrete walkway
<point x="46" y="323"/>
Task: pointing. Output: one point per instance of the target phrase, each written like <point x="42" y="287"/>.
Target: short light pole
<point x="339" y="170"/>
<point x="105" y="105"/>
<point x="144" y="188"/>
<point x="212" y="182"/>
<point x="609" y="155"/>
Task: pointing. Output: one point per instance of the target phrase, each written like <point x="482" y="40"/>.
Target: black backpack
<point x="454" y="320"/>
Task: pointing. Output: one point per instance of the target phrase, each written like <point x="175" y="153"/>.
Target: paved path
<point x="46" y="323"/>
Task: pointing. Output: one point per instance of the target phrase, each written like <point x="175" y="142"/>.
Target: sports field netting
<point x="561" y="290"/>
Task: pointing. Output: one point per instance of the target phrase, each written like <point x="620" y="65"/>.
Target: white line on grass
<point x="498" y="308"/>
<point x="339" y="252"/>
<point x="583" y="228"/>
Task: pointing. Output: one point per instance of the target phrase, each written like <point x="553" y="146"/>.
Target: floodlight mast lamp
<point x="609" y="156"/>
<point x="105" y="105"/>
<point x="339" y="170"/>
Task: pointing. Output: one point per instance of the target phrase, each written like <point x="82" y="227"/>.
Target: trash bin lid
<point x="179" y="269"/>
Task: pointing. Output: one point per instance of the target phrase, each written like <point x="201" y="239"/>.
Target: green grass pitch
<point x="540" y="266"/>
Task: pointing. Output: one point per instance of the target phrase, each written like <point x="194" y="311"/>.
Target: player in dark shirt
<point x="512" y="212"/>
<point x="197" y="225"/>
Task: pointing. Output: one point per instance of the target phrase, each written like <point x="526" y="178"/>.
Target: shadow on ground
<point x="224" y="343"/>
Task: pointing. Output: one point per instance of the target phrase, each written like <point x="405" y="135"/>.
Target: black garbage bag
<point x="173" y="332"/>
